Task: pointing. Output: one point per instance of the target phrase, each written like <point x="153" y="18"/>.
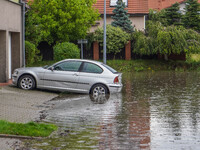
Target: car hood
<point x="35" y="69"/>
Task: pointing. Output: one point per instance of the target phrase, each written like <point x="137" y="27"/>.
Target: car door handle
<point x="75" y="74"/>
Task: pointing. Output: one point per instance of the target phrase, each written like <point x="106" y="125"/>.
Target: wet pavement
<point x="154" y="111"/>
<point x="20" y="106"/>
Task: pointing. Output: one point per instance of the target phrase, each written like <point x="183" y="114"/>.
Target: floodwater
<point x="154" y="111"/>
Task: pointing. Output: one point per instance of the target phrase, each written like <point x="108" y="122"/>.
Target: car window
<point x="68" y="66"/>
<point x="91" y="68"/>
<point x="109" y="68"/>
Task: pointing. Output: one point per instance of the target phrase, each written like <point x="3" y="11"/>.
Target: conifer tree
<point x="172" y="14"/>
<point x="191" y="18"/>
<point x="121" y="18"/>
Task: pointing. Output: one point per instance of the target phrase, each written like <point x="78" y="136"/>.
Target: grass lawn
<point x="29" y="129"/>
<point x="152" y="65"/>
<point x="144" y="65"/>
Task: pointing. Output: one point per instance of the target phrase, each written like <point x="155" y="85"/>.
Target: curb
<point x="5" y="84"/>
<point x="19" y="137"/>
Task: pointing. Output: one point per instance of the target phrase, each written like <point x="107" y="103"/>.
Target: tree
<point x="172" y="15"/>
<point x="56" y="21"/>
<point x="121" y="18"/>
<point x="166" y="40"/>
<point x="157" y="16"/>
<point x="191" y="18"/>
<point x="116" y="38"/>
<point x="168" y="16"/>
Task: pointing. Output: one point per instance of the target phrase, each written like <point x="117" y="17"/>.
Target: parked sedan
<point x="74" y="75"/>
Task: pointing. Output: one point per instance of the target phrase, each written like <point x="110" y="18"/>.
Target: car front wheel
<point x="27" y="82"/>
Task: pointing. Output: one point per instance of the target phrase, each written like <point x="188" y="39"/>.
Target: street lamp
<point x="104" y="35"/>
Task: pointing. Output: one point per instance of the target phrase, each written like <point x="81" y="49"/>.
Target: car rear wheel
<point x="27" y="82"/>
<point x="99" y="89"/>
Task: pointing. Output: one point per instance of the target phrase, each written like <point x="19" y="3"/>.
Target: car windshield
<point x="109" y="68"/>
<point x="45" y="67"/>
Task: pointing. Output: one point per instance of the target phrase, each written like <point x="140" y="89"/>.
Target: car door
<point x="89" y="74"/>
<point x="63" y="75"/>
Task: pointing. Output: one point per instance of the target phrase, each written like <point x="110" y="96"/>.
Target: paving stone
<point x="21" y="106"/>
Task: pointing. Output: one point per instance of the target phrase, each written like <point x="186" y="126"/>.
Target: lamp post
<point x="104" y="35"/>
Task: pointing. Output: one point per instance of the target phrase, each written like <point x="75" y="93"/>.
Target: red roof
<point x="137" y="6"/>
<point x="161" y="4"/>
<point x="134" y="7"/>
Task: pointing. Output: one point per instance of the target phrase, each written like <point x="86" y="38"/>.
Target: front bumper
<point x="115" y="88"/>
<point x="14" y="80"/>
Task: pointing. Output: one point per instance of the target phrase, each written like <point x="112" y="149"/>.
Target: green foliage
<point x="143" y="45"/>
<point x="31" y="53"/>
<point x="191" y="18"/>
<point x="138" y="69"/>
<point x="121" y="18"/>
<point x="28" y="129"/>
<point x="166" y="40"/>
<point x="144" y="65"/>
<point x="165" y="35"/>
<point x="66" y="50"/>
<point x="157" y="16"/>
<point x="56" y="21"/>
<point x="32" y="33"/>
<point x="172" y="15"/>
<point x="115" y="36"/>
<point x="171" y="40"/>
<point x="166" y="17"/>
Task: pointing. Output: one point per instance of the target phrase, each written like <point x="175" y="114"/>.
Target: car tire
<point x="26" y="82"/>
<point x="99" y="89"/>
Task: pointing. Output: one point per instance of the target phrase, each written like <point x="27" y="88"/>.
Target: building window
<point x="114" y="2"/>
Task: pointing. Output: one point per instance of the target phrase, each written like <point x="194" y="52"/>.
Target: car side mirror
<point x="51" y="68"/>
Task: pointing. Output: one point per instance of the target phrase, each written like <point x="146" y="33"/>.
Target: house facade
<point x="137" y="9"/>
<point x="10" y="38"/>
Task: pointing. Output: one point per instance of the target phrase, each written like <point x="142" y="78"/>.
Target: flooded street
<point x="154" y="111"/>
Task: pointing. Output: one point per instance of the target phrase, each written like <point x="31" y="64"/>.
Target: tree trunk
<point x="166" y="57"/>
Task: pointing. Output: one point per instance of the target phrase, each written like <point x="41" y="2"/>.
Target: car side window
<point x="91" y="68"/>
<point x="68" y="66"/>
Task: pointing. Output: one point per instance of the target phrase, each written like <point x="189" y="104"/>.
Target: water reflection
<point x="99" y="98"/>
<point x="154" y="111"/>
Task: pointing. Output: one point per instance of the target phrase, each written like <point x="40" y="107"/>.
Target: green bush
<point x="66" y="50"/>
<point x="31" y="53"/>
<point x="115" y="36"/>
<point x="166" y="40"/>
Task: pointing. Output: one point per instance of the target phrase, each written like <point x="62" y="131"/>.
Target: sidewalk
<point x="22" y="106"/>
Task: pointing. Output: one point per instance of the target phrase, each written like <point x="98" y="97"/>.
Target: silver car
<point x="74" y="75"/>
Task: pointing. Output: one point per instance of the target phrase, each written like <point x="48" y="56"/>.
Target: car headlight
<point x="16" y="72"/>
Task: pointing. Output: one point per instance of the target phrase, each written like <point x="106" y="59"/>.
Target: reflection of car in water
<point x="84" y="109"/>
<point x="74" y="75"/>
<point x="99" y="98"/>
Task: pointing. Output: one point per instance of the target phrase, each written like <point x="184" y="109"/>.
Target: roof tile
<point x="161" y="4"/>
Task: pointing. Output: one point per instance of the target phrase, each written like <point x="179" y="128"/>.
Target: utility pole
<point x="104" y="35"/>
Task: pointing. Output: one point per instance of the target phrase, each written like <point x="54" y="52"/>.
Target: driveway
<point x="20" y="106"/>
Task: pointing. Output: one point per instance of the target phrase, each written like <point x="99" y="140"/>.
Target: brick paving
<point x="22" y="106"/>
<point x="5" y="84"/>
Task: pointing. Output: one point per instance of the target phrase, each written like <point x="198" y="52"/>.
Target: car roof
<point x="83" y="60"/>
